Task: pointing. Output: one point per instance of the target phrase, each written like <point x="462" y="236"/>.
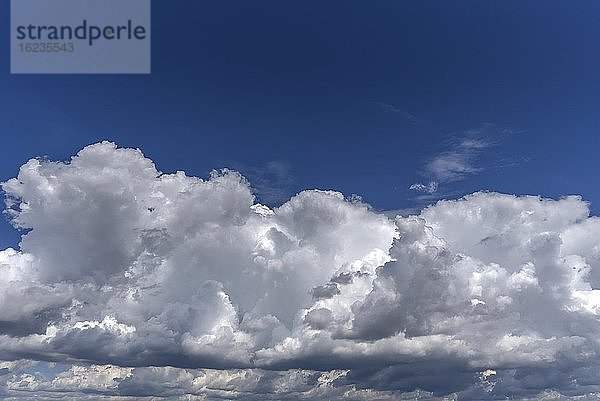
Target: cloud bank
<point x="143" y="284"/>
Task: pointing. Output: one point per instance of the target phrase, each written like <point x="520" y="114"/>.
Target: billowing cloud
<point x="143" y="284"/>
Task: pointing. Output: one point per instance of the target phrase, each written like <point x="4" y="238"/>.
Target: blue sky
<point x="338" y="95"/>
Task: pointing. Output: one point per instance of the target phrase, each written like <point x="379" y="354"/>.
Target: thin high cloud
<point x="271" y="182"/>
<point x="460" y="159"/>
<point x="141" y="284"/>
<point x="392" y="109"/>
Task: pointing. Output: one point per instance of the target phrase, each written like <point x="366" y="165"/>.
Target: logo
<point x="80" y="36"/>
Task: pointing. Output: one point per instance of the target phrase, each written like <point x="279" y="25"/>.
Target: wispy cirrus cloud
<point x="460" y="159"/>
<point x="393" y="109"/>
<point x="272" y="182"/>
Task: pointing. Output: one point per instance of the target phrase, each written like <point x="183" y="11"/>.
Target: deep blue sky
<point x="355" y="96"/>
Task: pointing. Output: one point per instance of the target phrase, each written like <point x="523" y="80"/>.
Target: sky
<point x="287" y="273"/>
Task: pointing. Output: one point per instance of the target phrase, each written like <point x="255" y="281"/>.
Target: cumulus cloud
<point x="429" y="188"/>
<point x="147" y="284"/>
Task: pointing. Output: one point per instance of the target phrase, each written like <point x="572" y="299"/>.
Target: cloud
<point x="392" y="109"/>
<point x="430" y="188"/>
<point x="272" y="182"/>
<point x="460" y="160"/>
<point x="147" y="284"/>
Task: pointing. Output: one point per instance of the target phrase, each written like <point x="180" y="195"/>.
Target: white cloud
<point x="429" y="188"/>
<point x="460" y="160"/>
<point x="125" y="266"/>
<point x="392" y="109"/>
